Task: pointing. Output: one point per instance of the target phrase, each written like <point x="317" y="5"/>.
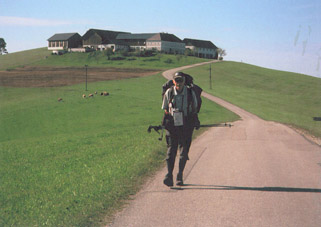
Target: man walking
<point x="180" y="105"/>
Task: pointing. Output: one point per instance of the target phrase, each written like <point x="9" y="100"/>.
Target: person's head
<point x="179" y="81"/>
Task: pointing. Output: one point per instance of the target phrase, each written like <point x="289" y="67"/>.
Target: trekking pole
<point x="157" y="128"/>
<point x="215" y="125"/>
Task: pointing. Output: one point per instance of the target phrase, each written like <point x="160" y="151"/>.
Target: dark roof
<point x="104" y="34"/>
<point x="199" y="43"/>
<point x="135" y="36"/>
<point x="165" y="37"/>
<point x="114" y="41"/>
<point x="62" y="36"/>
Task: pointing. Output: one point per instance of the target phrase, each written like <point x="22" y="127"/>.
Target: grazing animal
<point x="59" y="99"/>
<point x="84" y="96"/>
<point x="106" y="93"/>
<point x="90" y="95"/>
<point x="95" y="92"/>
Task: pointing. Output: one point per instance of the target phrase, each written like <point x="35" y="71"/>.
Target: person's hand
<point x="197" y="122"/>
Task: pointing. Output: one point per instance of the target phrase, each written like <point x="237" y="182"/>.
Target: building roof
<point x="114" y="41"/>
<point x="165" y="37"/>
<point x="62" y="36"/>
<point x="135" y="36"/>
<point x="199" y="43"/>
<point x="104" y="34"/>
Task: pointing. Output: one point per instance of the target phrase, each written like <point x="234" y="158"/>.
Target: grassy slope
<point x="273" y="95"/>
<point x="43" y="57"/>
<point x="98" y="59"/>
<point x="69" y="163"/>
<point x="23" y="58"/>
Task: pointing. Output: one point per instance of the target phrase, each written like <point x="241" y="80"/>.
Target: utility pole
<point x="211" y="76"/>
<point x="86" y="66"/>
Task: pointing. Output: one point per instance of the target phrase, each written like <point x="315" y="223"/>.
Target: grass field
<point x="43" y="57"/>
<point x="71" y="163"/>
<point x="99" y="59"/>
<point x="285" y="97"/>
<point x="23" y="58"/>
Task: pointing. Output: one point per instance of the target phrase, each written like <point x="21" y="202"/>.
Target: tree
<point x="221" y="53"/>
<point x="109" y="52"/>
<point x="179" y="57"/>
<point x="188" y="52"/>
<point x="3" y="46"/>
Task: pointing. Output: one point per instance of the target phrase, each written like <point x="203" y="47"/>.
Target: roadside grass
<point x="22" y="58"/>
<point x="72" y="163"/>
<point x="43" y="57"/>
<point x="285" y="97"/>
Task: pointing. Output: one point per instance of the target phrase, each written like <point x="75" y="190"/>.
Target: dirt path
<point x="256" y="173"/>
<point x="63" y="76"/>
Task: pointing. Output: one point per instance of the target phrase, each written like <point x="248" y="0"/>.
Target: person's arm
<point x="194" y="102"/>
<point x="165" y="103"/>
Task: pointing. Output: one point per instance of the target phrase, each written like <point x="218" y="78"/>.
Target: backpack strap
<point x="189" y="99"/>
<point x="171" y="94"/>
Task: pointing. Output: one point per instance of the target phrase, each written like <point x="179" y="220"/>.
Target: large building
<point x="102" y="39"/>
<point x="201" y="48"/>
<point x="135" y="41"/>
<point x="61" y="42"/>
<point x="167" y="43"/>
<point x="96" y="39"/>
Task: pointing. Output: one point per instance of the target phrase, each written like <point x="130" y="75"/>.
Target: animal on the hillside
<point x="59" y="99"/>
<point x="84" y="96"/>
<point x="105" y="93"/>
<point x="90" y="95"/>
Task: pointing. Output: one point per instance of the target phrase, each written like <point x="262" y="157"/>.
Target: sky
<point x="277" y="34"/>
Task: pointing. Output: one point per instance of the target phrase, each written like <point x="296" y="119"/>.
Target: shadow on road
<point x="265" y="189"/>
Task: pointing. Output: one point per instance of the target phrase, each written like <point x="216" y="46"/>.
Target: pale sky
<point x="277" y="34"/>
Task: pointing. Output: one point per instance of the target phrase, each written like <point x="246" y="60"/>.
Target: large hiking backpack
<point x="190" y="85"/>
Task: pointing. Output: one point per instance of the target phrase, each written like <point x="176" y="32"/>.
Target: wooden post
<point x="210" y="76"/>
<point x="86" y="66"/>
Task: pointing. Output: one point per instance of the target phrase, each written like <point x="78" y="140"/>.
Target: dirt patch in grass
<point x="59" y="76"/>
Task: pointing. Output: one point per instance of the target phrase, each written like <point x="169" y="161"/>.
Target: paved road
<point x="256" y="173"/>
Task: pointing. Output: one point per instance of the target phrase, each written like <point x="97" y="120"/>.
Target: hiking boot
<point x="168" y="180"/>
<point x="179" y="180"/>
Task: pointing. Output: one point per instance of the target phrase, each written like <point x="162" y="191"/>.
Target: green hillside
<point x="285" y="97"/>
<point x="23" y="58"/>
<point x="73" y="162"/>
<point x="43" y="57"/>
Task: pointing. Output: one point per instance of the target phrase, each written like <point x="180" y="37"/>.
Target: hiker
<point x="180" y="105"/>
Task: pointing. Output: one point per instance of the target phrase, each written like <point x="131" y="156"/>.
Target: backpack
<point x="190" y="86"/>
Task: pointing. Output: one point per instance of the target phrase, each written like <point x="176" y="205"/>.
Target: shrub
<point x="168" y="61"/>
<point x="178" y="57"/>
<point x="117" y="58"/>
<point x="123" y="53"/>
<point x="108" y="53"/>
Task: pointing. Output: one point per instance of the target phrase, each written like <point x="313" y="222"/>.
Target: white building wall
<point x="166" y="46"/>
<point x="202" y="51"/>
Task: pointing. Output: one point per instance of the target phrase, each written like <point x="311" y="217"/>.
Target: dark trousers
<point x="178" y="138"/>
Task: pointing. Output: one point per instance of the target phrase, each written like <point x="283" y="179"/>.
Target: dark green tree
<point x="3" y="46"/>
<point x="221" y="53"/>
<point x="109" y="52"/>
